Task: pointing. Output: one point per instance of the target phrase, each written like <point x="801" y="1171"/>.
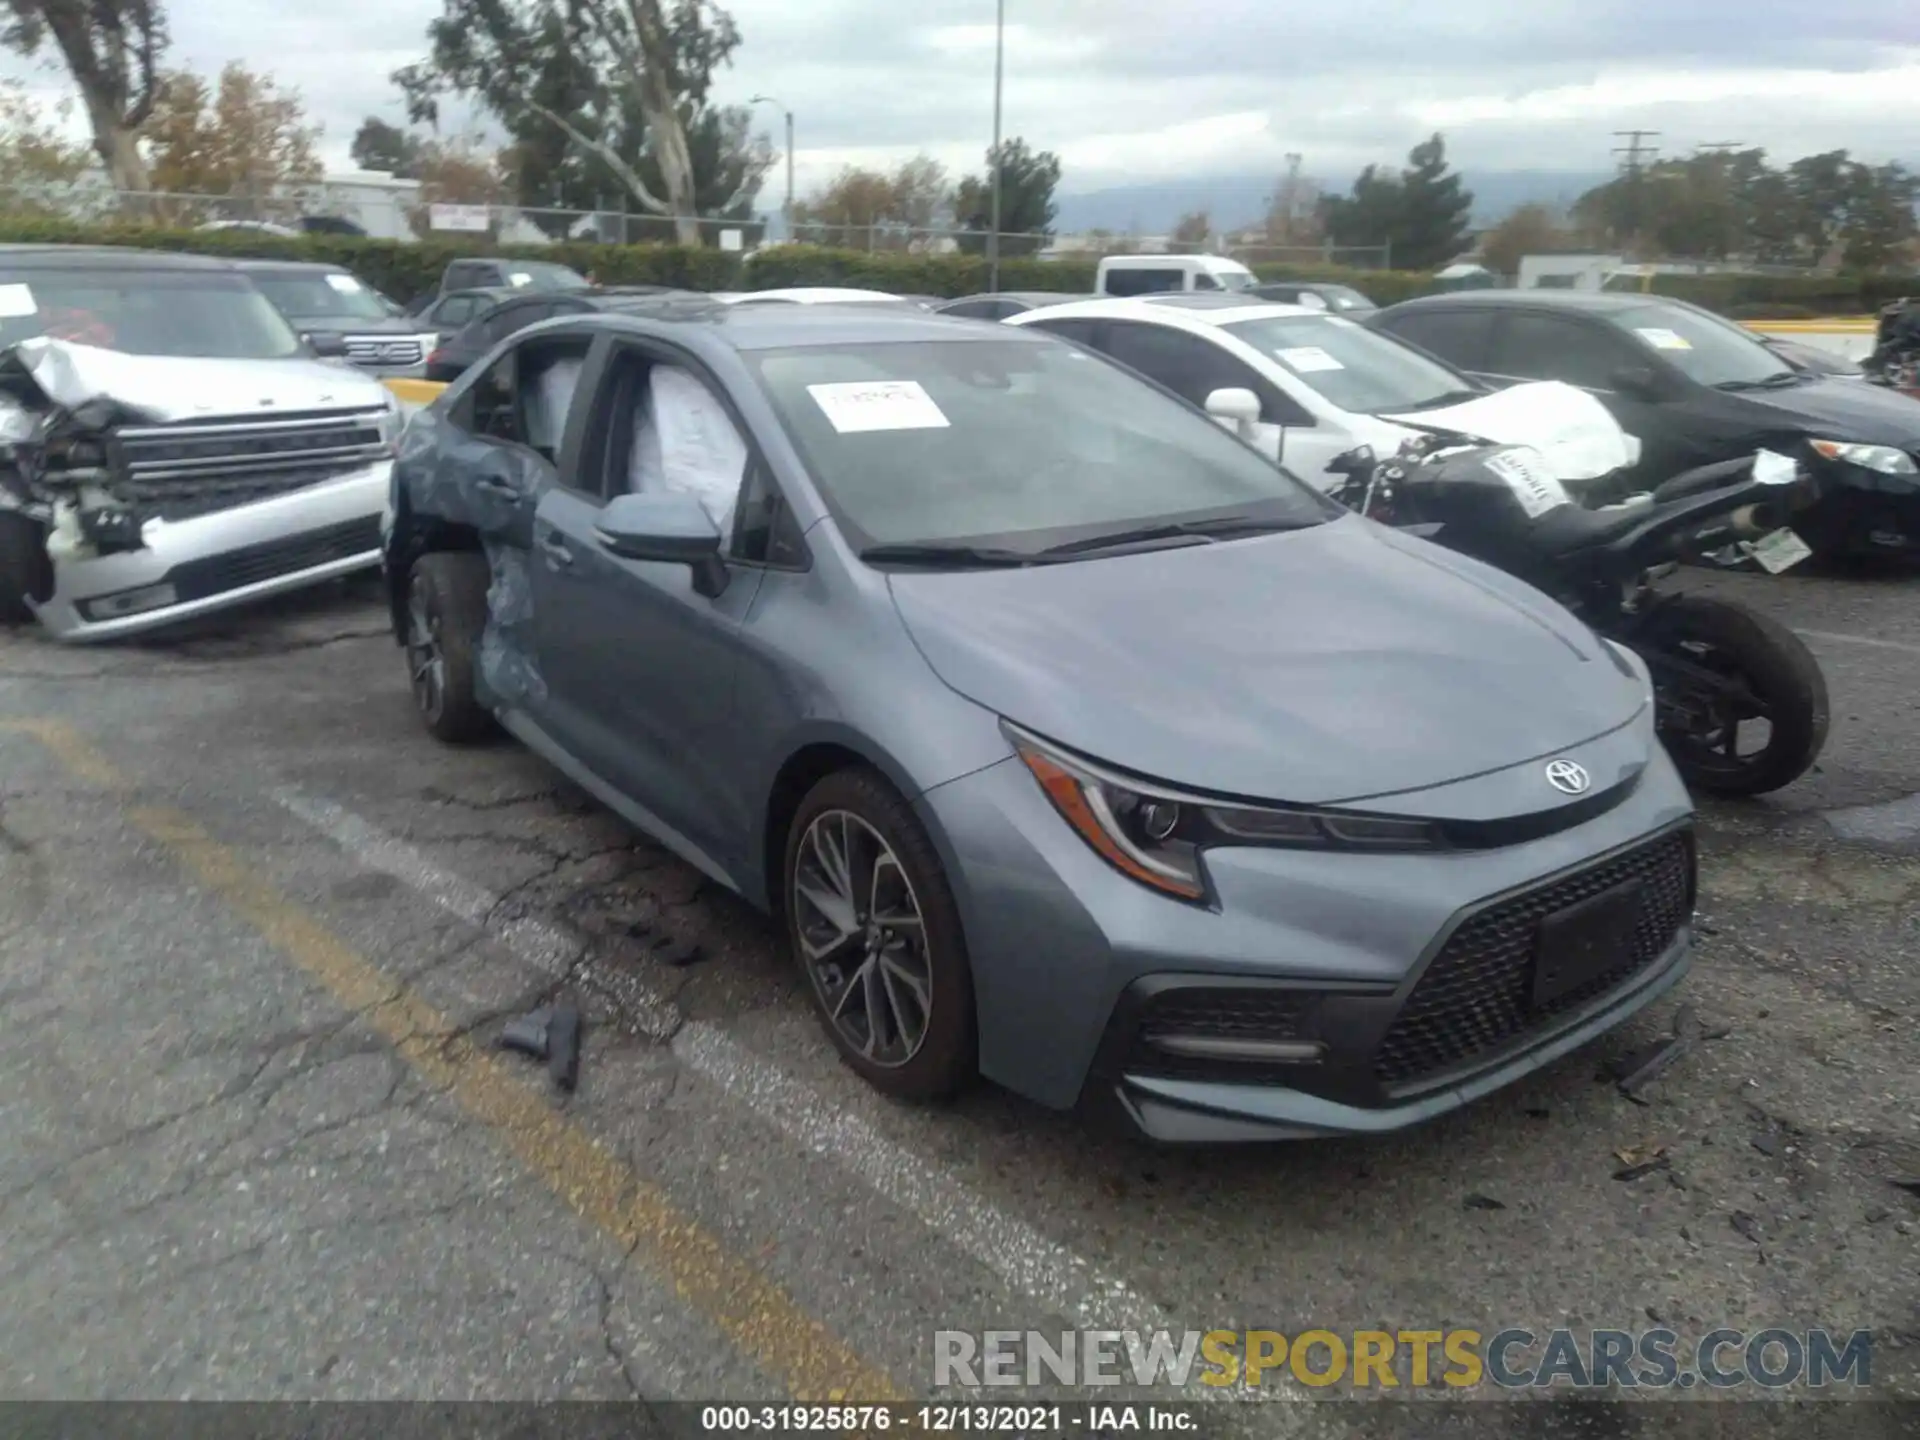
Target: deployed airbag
<point x="685" y="441"/>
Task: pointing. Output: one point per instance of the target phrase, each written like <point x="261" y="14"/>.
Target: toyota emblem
<point x="1567" y="777"/>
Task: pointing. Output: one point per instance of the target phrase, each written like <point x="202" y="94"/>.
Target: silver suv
<point x="169" y="446"/>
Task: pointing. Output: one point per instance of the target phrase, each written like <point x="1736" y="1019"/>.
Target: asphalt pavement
<point x="258" y="934"/>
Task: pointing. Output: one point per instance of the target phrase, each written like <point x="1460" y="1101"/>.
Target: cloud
<point x="1133" y="90"/>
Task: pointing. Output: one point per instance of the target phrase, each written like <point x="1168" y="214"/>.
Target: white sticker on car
<point x="1536" y="490"/>
<point x="1308" y="358"/>
<point x="1663" y="339"/>
<point x="16" y="300"/>
<point x="519" y="278"/>
<point x="345" y="284"/>
<point x="864" y="405"/>
<point x="1770" y="467"/>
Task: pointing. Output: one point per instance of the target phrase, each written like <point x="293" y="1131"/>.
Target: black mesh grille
<point x="199" y="579"/>
<point x="1231" y="1013"/>
<point x="1476" y="996"/>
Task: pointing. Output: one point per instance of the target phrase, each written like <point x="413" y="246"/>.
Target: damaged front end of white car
<point x="140" y="491"/>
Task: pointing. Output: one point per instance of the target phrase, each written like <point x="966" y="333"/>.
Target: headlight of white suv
<point x="1887" y="459"/>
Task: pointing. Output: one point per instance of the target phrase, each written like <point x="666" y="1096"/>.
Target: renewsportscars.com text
<point x="1390" y="1359"/>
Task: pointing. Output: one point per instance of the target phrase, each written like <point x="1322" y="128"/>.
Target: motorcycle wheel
<point x="1717" y="668"/>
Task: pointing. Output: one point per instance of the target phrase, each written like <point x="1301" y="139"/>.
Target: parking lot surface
<point x="258" y="933"/>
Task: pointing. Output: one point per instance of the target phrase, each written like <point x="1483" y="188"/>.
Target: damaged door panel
<point x="639" y="653"/>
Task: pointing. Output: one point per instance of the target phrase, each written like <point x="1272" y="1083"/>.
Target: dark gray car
<point x="339" y="315"/>
<point x="1067" y="739"/>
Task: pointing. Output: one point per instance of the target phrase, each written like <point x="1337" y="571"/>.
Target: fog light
<point x="1240" y="1048"/>
<point x="130" y="602"/>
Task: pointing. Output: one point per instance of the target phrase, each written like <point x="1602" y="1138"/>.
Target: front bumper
<point x="216" y="561"/>
<point x="1863" y="512"/>
<point x="1068" y="956"/>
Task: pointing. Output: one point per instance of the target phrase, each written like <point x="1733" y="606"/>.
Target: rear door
<point x="640" y="665"/>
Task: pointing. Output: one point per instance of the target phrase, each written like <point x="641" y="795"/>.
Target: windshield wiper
<point x="915" y="553"/>
<point x="1773" y="382"/>
<point x="1198" y="530"/>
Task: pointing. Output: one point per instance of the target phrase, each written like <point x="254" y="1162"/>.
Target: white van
<point x="1127" y="275"/>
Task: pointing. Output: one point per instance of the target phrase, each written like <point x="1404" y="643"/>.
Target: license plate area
<point x="1575" y="946"/>
<point x="1780" y="550"/>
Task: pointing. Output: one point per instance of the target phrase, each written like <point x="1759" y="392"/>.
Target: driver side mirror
<point x="670" y="527"/>
<point x="327" y="345"/>
<point x="1638" y="382"/>
<point x="1239" y="408"/>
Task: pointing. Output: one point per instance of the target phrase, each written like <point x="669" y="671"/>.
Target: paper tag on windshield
<point x="1308" y="358"/>
<point x="345" y="284"/>
<point x="866" y="405"/>
<point x="17" y="300"/>
<point x="1663" y="339"/>
<point x="1781" y="550"/>
<point x="1537" y="491"/>
<point x="1772" y="468"/>
<point x="519" y="278"/>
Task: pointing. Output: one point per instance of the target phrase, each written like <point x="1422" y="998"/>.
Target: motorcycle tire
<point x="1716" y="664"/>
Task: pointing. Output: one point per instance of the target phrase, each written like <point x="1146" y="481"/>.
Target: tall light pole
<point x="787" y="212"/>
<point x="999" y="58"/>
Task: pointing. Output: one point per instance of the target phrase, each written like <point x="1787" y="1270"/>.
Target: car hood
<point x="1837" y="407"/>
<point x="1316" y="666"/>
<point x="160" y="389"/>
<point x="1576" y="434"/>
<point x="347" y="325"/>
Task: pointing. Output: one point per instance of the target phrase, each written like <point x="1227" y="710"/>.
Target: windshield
<point x="329" y="295"/>
<point x="1355" y="369"/>
<point x="1020" y="444"/>
<point x="1708" y="351"/>
<point x="199" y="314"/>
<point x="543" y="275"/>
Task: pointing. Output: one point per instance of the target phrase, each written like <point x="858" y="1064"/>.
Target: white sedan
<point x="1305" y="386"/>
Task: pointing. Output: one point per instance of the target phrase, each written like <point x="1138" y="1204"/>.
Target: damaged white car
<point x="168" y="445"/>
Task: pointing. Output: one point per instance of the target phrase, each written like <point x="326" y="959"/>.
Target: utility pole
<point x="994" y="168"/>
<point x="787" y="212"/>
<point x="1635" y="155"/>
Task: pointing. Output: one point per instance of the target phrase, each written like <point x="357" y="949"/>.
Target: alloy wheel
<point x="425" y="661"/>
<point x="862" y="937"/>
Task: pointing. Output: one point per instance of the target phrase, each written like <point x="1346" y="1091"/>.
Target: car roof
<point x="288" y="267"/>
<point x="814" y="295"/>
<point x="1198" y="300"/>
<point x="106" y="257"/>
<point x="1231" y="309"/>
<point x="1595" y="301"/>
<point x="782" y="327"/>
<point x="1025" y="297"/>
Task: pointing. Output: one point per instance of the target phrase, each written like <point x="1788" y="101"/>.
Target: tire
<point x="25" y="571"/>
<point x="1777" y="673"/>
<point x="447" y="598"/>
<point x="859" y="806"/>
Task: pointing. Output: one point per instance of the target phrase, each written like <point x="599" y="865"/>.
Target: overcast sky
<point x="1132" y="90"/>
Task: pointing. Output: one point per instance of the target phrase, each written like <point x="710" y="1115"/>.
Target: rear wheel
<point x="873" y="923"/>
<point x="446" y="611"/>
<point x="25" y="571"/>
<point x="1742" y="702"/>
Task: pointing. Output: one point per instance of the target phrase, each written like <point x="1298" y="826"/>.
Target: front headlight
<point x="1155" y="835"/>
<point x="1887" y="459"/>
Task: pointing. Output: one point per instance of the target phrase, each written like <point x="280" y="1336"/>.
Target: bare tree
<point x="112" y="50"/>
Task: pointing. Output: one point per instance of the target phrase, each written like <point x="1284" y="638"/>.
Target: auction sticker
<point x="1308" y="358"/>
<point x="865" y="405"/>
<point x="17" y="300"/>
<point x="1663" y="339"/>
<point x="345" y="284"/>
<point x="1536" y="491"/>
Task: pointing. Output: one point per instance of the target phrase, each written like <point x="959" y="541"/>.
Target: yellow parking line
<point x="760" y="1318"/>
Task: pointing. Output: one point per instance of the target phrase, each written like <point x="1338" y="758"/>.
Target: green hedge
<point x="404" y="269"/>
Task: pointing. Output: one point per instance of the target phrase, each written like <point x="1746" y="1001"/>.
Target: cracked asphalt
<point x="258" y="934"/>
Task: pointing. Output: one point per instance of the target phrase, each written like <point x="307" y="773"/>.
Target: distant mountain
<point x="1236" y="200"/>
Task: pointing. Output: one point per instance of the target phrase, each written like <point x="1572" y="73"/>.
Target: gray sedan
<point x="1067" y="740"/>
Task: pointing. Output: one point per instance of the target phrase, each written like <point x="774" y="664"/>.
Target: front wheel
<point x="1742" y="703"/>
<point x="873" y="923"/>
<point x="25" y="571"/>
<point x="446" y="612"/>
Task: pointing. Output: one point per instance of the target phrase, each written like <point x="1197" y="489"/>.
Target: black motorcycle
<point x="1741" y="704"/>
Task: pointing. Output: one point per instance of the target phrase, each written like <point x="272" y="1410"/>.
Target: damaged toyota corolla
<point x="1069" y="740"/>
<point x="168" y="445"/>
